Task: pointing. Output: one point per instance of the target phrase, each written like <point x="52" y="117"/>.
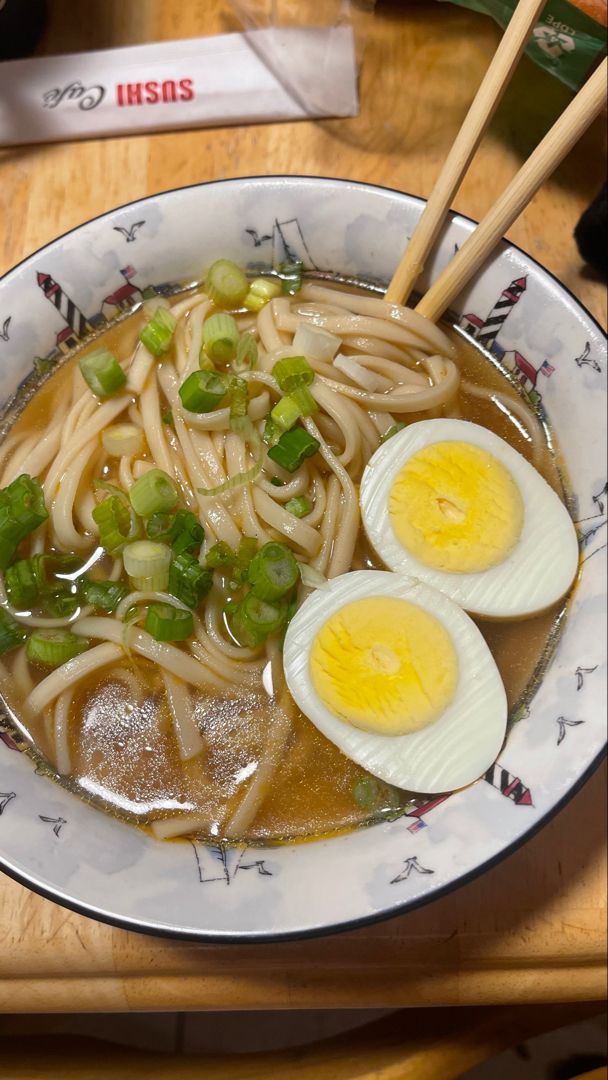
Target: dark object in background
<point x="21" y="25"/>
<point x="591" y="234"/>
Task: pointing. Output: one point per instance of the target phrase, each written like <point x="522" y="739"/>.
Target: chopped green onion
<point x="167" y="623"/>
<point x="247" y="550"/>
<point x="220" y="337"/>
<point x="203" y="391"/>
<point x="27" y="580"/>
<point x="160" y="527"/>
<point x="292" y="448"/>
<point x="220" y="555"/>
<point x="62" y="604"/>
<point x="253" y="620"/>
<point x="273" y="572"/>
<point x="188" y="580"/>
<point x="102" y="373"/>
<point x="113" y="519"/>
<point x="103" y="595"/>
<point x="157" y="334"/>
<point x="299" y="506"/>
<point x="239" y="398"/>
<point x="147" y="564"/>
<point x="392" y="431"/>
<point x="291" y="277"/>
<point x="261" y="291"/>
<point x="246" y="353"/>
<point x="276" y="481"/>
<point x="12" y="633"/>
<point x="22" y="583"/>
<point x="366" y="792"/>
<point x="123" y="440"/>
<point x="304" y="400"/>
<point x="285" y="413"/>
<point x="293" y="372"/>
<point x="154" y="493"/>
<point x="54" y="647"/>
<point x="167" y="417"/>
<point x="187" y="534"/>
<point x="226" y="284"/>
<point x="271" y="433"/>
<point x="22" y="510"/>
<point x="182" y="530"/>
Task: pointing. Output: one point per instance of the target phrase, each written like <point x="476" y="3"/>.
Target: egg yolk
<point x="384" y="665"/>
<point x="455" y="507"/>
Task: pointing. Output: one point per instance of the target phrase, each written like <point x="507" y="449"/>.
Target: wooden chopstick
<point x="488" y="96"/>
<point x="564" y="134"/>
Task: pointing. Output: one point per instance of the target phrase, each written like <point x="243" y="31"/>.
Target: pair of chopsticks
<point x="564" y="134"/>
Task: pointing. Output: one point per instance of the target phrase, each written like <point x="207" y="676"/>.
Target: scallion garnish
<point x="226" y="284"/>
<point x="154" y="493"/>
<point x="113" y="519"/>
<point x="290" y="275"/>
<point x="22" y="510"/>
<point x="246" y="353"/>
<point x="167" y="418"/>
<point x="253" y="620"/>
<point x="203" y="391"/>
<point x="12" y="634"/>
<point x="239" y="398"/>
<point x="293" y="448"/>
<point x="285" y="413"/>
<point x="167" y="623"/>
<point x="220" y="337"/>
<point x="299" y="506"/>
<point x="147" y="564"/>
<point x="261" y="291"/>
<point x="271" y="433"/>
<point x="30" y="581"/>
<point x="182" y="530"/>
<point x="54" y="647"/>
<point x="188" y="580"/>
<point x="187" y="533"/>
<point x="62" y="604"/>
<point x="304" y="401"/>
<point x="102" y="373"/>
<point x="220" y="555"/>
<point x="123" y="440"/>
<point x="273" y="572"/>
<point x="293" y="372"/>
<point x="103" y="595"/>
<point x="157" y="334"/>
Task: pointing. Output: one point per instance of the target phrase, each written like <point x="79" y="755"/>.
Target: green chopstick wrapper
<point x="566" y="41"/>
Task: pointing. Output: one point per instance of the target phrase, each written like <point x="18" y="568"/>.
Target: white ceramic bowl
<point x="73" y="853"/>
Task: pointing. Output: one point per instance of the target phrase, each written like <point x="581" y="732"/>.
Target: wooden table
<point x="533" y="928"/>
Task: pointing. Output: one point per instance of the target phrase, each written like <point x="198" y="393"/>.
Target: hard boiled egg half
<point x="399" y="678"/>
<point x="453" y="504"/>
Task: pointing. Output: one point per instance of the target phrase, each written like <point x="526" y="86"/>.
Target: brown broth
<point x="125" y="757"/>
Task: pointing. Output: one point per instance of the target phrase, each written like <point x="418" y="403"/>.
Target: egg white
<point x="537" y="572"/>
<point x="455" y="749"/>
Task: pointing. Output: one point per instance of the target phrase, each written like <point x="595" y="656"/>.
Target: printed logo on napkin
<point x="260" y="75"/>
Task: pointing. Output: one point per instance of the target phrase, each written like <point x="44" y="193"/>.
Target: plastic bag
<point x="568" y="40"/>
<point x="313" y="71"/>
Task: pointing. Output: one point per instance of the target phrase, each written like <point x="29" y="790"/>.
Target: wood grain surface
<point x="531" y="929"/>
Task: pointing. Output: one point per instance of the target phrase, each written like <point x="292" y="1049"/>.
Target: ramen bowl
<point x="66" y="849"/>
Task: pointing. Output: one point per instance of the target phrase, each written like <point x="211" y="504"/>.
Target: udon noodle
<point x="223" y="737"/>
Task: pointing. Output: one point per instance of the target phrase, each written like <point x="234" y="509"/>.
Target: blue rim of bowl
<point x="262" y="938"/>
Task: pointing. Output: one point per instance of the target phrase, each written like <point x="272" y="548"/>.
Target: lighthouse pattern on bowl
<point x="486" y="332"/>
